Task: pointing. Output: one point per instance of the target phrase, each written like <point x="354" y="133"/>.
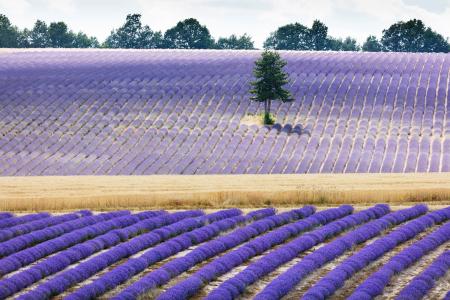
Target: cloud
<point x="14" y="9"/>
<point x="64" y="6"/>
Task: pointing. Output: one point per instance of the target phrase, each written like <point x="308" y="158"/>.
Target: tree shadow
<point x="289" y="129"/>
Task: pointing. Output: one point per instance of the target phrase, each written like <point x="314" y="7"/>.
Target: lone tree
<point x="270" y="79"/>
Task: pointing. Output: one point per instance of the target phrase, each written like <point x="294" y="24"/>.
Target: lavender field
<point x="68" y="112"/>
<point x="302" y="253"/>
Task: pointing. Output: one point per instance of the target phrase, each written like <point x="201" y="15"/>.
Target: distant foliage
<point x="235" y="42"/>
<point x="289" y="37"/>
<point x="269" y="81"/>
<point x="372" y="44"/>
<point x="133" y="34"/>
<point x="318" y="35"/>
<point x="188" y="34"/>
<point x="409" y="36"/>
<point x="413" y="36"/>
<point x="59" y="35"/>
<point x="299" y="37"/>
<point x="9" y="34"/>
<point x="39" y="36"/>
<point x="56" y="35"/>
<point x="349" y="44"/>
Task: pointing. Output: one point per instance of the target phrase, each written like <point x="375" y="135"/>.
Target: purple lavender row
<point x="190" y="286"/>
<point x="182" y="264"/>
<point x="235" y="286"/>
<point x="21" y="242"/>
<point x="375" y="283"/>
<point x="86" y="269"/>
<point x="336" y="278"/>
<point x="424" y="282"/>
<point x="6" y="234"/>
<point x="284" y="283"/>
<point x="5" y="215"/>
<point x="164" y="250"/>
<point x="30" y="255"/>
<point x="182" y="221"/>
<point x="63" y="259"/>
<point x="9" y="222"/>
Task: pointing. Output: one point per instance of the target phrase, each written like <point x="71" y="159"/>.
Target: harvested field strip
<point x="218" y="191"/>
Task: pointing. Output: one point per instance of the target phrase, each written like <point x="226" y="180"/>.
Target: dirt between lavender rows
<point x="397" y="283"/>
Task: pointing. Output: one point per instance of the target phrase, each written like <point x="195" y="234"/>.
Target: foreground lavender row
<point x="263" y="254"/>
<point x="180" y="112"/>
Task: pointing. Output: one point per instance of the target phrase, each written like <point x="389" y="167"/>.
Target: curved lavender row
<point x="29" y="255"/>
<point x="230" y="260"/>
<point x="63" y="259"/>
<point x="86" y="269"/>
<point x="424" y="282"/>
<point x="5" y="215"/>
<point x="21" y="242"/>
<point x="9" y="222"/>
<point x="236" y="285"/>
<point x="447" y="296"/>
<point x="375" y="283"/>
<point x="179" y="265"/>
<point x="17" y="230"/>
<point x="281" y="285"/>
<point x="336" y="278"/>
<point x="134" y="266"/>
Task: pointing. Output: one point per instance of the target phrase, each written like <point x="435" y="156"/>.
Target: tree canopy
<point x="403" y="36"/>
<point x="289" y="37"/>
<point x="270" y="79"/>
<point x="9" y="34"/>
<point x="413" y="36"/>
<point x="56" y="35"/>
<point x="235" y="42"/>
<point x="133" y="34"/>
<point x="299" y="37"/>
<point x="188" y="34"/>
<point x="371" y="44"/>
<point x="39" y="36"/>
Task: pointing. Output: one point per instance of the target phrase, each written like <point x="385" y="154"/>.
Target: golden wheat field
<point x="219" y="191"/>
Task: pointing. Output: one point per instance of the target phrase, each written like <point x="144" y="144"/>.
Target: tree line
<point x="409" y="36"/>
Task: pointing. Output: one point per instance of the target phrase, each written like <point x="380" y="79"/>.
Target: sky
<point x="258" y="18"/>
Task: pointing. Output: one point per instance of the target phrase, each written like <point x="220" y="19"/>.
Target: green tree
<point x="318" y="36"/>
<point x="234" y="42"/>
<point x="39" y="36"/>
<point x="269" y="81"/>
<point x="133" y="34"/>
<point x="299" y="37"/>
<point x="349" y="44"/>
<point x="188" y="34"/>
<point x="60" y="36"/>
<point x="9" y="34"/>
<point x="81" y="40"/>
<point x="413" y="36"/>
<point x="289" y="37"/>
<point x="372" y="44"/>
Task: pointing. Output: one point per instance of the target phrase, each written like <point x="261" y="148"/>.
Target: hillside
<point x="111" y="112"/>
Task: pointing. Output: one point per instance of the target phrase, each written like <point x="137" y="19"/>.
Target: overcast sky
<point x="357" y="18"/>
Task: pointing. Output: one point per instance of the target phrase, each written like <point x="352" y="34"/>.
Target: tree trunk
<point x="266" y="107"/>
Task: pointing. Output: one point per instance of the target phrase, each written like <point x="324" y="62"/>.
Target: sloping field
<point x="302" y="253"/>
<point x="72" y="112"/>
